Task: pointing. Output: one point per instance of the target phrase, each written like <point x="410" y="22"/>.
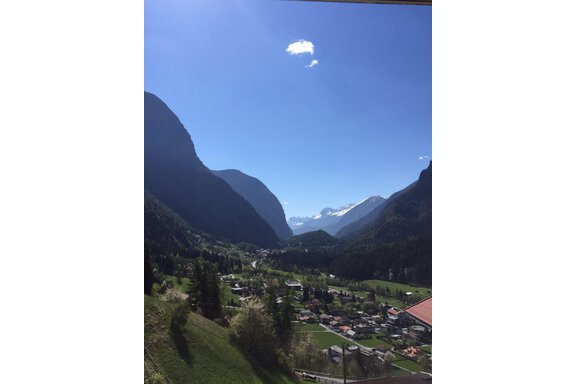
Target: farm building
<point x="421" y="312"/>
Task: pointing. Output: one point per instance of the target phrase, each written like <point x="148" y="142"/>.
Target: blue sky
<point x="355" y="124"/>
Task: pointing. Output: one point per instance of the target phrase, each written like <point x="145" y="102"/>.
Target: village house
<point x="336" y="353"/>
<point x="326" y="319"/>
<point x="400" y="319"/>
<point x="307" y="316"/>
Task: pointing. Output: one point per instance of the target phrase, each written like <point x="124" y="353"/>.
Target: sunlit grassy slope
<point x="206" y="357"/>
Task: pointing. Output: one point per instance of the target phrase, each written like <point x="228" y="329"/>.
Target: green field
<point x="344" y="289"/>
<point x="394" y="286"/>
<point x="309" y="328"/>
<point x="327" y="339"/>
<point x="206" y="357"/>
<point x="427" y="349"/>
<point x="183" y="287"/>
<point x="391" y="301"/>
<point x="407" y="364"/>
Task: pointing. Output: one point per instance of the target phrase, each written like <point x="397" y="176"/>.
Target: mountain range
<point x="184" y="194"/>
<point x="332" y="220"/>
<point x="175" y="176"/>
<point x="393" y="242"/>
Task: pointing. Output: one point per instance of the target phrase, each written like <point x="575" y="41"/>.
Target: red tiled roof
<point x="422" y="310"/>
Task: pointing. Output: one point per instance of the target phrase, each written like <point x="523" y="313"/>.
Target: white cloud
<point x="285" y="202"/>
<point x="312" y="63"/>
<point x="423" y="157"/>
<point x="301" y="46"/>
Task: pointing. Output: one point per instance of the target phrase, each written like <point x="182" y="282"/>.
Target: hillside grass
<point x="227" y="295"/>
<point x="407" y="364"/>
<point x="206" y="356"/>
<point x="327" y="339"/>
<point x="394" y="286"/>
<point x="184" y="287"/>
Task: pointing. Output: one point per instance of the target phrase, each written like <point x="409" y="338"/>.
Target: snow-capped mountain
<point x="323" y="219"/>
<point x="329" y="218"/>
<point x="357" y="212"/>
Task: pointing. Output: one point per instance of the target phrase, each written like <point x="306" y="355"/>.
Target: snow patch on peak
<point x="343" y="210"/>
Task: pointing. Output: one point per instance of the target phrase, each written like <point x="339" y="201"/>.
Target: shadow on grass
<point x="182" y="347"/>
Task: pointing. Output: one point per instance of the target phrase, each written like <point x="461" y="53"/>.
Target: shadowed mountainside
<point x="174" y="174"/>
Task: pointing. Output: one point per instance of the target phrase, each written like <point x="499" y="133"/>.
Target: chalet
<point x="344" y="329"/>
<point x="326" y="319"/>
<point x="239" y="290"/>
<point x="353" y="348"/>
<point x="400" y="319"/>
<point x="296" y="285"/>
<point x="337" y="351"/>
<point x="393" y="311"/>
<point x="308" y="319"/>
<point x="307" y="316"/>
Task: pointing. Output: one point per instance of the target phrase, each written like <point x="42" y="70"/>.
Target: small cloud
<point x="301" y="46"/>
<point x="285" y="202"/>
<point x="423" y="157"/>
<point x="312" y="63"/>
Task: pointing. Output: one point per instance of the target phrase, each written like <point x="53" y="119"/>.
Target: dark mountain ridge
<point x="174" y="174"/>
<point x="260" y="197"/>
<point x="318" y="238"/>
<point x="409" y="213"/>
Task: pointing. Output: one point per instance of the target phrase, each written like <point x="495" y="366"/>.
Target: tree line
<point x="408" y="261"/>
